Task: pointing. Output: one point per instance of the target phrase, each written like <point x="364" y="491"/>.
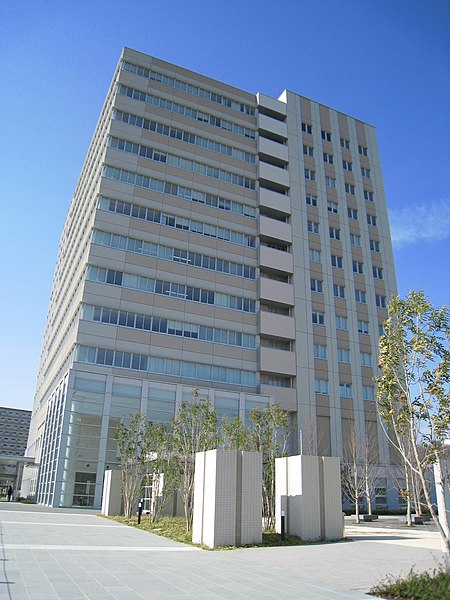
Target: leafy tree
<point x="194" y="429"/>
<point x="413" y="395"/>
<point x="132" y="444"/>
<point x="269" y="434"/>
<point x="162" y="471"/>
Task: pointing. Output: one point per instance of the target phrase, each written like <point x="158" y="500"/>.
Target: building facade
<point x="14" y="430"/>
<point x="216" y="238"/>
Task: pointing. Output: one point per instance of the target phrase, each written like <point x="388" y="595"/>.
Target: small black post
<point x="283" y="524"/>
<point x="140" y="506"/>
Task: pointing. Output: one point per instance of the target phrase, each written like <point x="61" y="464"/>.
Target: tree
<point x="162" y="471"/>
<point x="413" y="397"/>
<point x="359" y="469"/>
<point x="194" y="429"/>
<point x="132" y="444"/>
<point x="269" y="434"/>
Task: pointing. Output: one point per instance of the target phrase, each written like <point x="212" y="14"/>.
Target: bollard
<point x="140" y="507"/>
<point x="282" y="524"/>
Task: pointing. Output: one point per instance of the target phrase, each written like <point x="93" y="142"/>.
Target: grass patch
<point x="415" y="586"/>
<point x="174" y="528"/>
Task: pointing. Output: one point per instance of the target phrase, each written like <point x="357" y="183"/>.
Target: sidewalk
<point x="55" y="554"/>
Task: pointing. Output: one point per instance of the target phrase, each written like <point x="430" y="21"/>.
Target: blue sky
<point x="383" y="61"/>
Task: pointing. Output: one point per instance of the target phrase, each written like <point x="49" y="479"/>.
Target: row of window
<point x="183" y="136"/>
<point x="124" y="318"/>
<point x="338" y="289"/>
<point x="186" y="111"/>
<point x="345" y="389"/>
<point x="320" y="351"/>
<point x="180" y="191"/>
<point x="318" y="318"/>
<point x="155" y="216"/>
<point x="112" y="240"/>
<point x="164" y="366"/>
<point x="347" y="165"/>
<point x="339" y="292"/>
<point x="331" y="181"/>
<point x="168" y="288"/>
<point x="349" y="189"/>
<point x="188" y="88"/>
<point x="181" y="163"/>
<point x="327" y="137"/>
<point x="335" y="233"/>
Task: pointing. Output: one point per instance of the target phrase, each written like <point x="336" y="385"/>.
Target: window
<point x="350" y="189"/>
<point x="318" y="318"/>
<point x="377" y="272"/>
<point x="341" y="322"/>
<point x="320" y="351"/>
<point x="365" y="172"/>
<point x="321" y="386"/>
<point x="380" y="329"/>
<point x="308" y="150"/>
<point x="315" y="255"/>
<point x="345" y="390"/>
<point x="330" y="182"/>
<point x="338" y="291"/>
<point x="306" y="128"/>
<point x="335" y="233"/>
<point x="360" y="296"/>
<point x="344" y="355"/>
<point x="310" y="174"/>
<point x="372" y="220"/>
<point x="352" y="213"/>
<point x="311" y="200"/>
<point x="380" y="494"/>
<point x="374" y="245"/>
<point x="368" y="392"/>
<point x="355" y="240"/>
<point x="363" y="326"/>
<point x="345" y="143"/>
<point x="317" y="285"/>
<point x="366" y="359"/>
<point x="380" y="301"/>
<point x="347" y="165"/>
<point x="328" y="158"/>
<point x="368" y="195"/>
<point x="362" y="150"/>
<point x="358" y="267"/>
<point x="326" y="135"/>
<point x="333" y="206"/>
<point x="313" y="227"/>
<point x="336" y="261"/>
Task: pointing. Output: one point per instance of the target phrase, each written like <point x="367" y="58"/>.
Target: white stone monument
<point x="227" y="498"/>
<point x="308" y="493"/>
<point x="112" y="493"/>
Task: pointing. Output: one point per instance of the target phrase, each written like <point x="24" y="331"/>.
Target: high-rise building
<point x="216" y="238"/>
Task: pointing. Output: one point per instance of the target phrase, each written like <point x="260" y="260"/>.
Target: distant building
<point x="14" y="430"/>
<point x="217" y="238"/>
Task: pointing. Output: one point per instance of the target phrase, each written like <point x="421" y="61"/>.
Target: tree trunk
<point x="357" y="509"/>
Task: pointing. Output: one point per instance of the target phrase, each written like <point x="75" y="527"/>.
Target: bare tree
<point x="194" y="429"/>
<point x="132" y="444"/>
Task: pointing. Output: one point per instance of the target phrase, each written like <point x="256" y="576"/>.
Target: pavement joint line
<point x="58" y="524"/>
<point x="103" y="548"/>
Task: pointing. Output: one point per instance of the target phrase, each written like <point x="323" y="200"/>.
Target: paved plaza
<point x="70" y="554"/>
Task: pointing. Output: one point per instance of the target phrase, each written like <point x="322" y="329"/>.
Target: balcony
<point x="274" y="200"/>
<point x="273" y="174"/>
<point x="280" y="362"/>
<point x="274" y="325"/>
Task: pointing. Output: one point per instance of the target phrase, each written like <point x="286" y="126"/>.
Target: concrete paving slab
<point x="75" y="554"/>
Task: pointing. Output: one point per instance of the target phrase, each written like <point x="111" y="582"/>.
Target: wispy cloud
<point x="420" y="222"/>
